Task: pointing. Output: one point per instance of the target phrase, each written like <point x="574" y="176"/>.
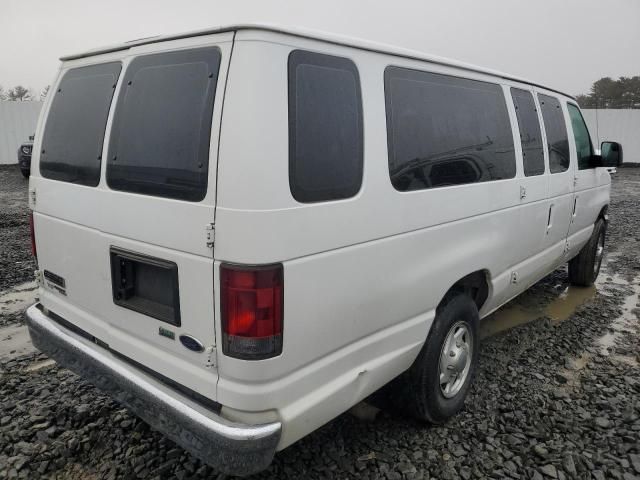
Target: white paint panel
<point x="17" y="121"/>
<point x="616" y="125"/>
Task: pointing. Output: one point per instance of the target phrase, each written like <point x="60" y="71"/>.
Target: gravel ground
<point x="553" y="399"/>
<point x="16" y="263"/>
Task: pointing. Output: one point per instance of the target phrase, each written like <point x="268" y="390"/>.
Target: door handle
<point x="575" y="206"/>
<point x="549" y="218"/>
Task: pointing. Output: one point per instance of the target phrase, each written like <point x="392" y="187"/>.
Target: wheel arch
<point x="604" y="214"/>
<point x="475" y="284"/>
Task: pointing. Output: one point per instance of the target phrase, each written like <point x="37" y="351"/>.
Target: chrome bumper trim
<point x="230" y="447"/>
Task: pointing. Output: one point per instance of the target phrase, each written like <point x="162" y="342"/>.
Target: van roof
<point x="315" y="35"/>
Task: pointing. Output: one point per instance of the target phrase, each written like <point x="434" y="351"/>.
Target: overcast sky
<point x="566" y="44"/>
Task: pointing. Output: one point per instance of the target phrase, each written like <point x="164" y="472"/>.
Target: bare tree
<point x="44" y="92"/>
<point x="3" y="95"/>
<point x="19" y="94"/>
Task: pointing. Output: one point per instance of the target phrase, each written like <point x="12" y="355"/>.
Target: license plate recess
<point x="145" y="284"/>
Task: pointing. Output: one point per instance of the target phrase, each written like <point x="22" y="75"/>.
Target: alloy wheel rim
<point x="455" y="359"/>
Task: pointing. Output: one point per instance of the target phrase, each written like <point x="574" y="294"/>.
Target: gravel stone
<point x="545" y="403"/>
<point x="569" y="465"/>
<point x="549" y="471"/>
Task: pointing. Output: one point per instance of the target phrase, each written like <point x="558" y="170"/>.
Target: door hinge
<point x="210" y="231"/>
<point x="211" y="357"/>
<point x="32" y="198"/>
<point x="514" y="277"/>
<point x="566" y="248"/>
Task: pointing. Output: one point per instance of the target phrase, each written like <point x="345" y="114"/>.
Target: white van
<point x="243" y="232"/>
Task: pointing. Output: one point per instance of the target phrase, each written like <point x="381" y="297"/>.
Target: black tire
<point x="423" y="396"/>
<point x="584" y="268"/>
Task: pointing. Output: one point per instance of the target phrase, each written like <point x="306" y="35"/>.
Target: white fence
<point x="17" y="121"/>
<point x="622" y="126"/>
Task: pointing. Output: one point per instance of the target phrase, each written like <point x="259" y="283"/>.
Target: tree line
<point x="20" y="93"/>
<point x="609" y="93"/>
<point x="605" y="93"/>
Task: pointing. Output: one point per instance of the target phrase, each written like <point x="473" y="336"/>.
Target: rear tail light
<point x="252" y="300"/>
<point x="32" y="232"/>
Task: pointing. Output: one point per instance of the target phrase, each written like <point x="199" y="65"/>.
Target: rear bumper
<point x="232" y="448"/>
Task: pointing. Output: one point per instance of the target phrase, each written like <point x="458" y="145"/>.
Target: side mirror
<point x="611" y="153"/>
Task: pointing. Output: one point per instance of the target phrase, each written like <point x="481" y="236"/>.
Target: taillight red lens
<point x="32" y="232"/>
<point x="252" y="300"/>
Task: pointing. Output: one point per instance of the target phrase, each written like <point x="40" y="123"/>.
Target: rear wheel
<point x="437" y="383"/>
<point x="25" y="173"/>
<point x="584" y="268"/>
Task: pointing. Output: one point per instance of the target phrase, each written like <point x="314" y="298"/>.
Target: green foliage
<point x="609" y="93"/>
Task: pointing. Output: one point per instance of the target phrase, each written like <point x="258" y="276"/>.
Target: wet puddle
<point x="14" y="339"/>
<point x="514" y="313"/>
<point x="15" y="342"/>
<point x="630" y="312"/>
<point x="518" y="312"/>
<point x="18" y="298"/>
<point x="605" y="345"/>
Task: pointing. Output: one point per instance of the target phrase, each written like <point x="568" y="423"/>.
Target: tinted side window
<point x="161" y="130"/>
<point x="325" y="127"/>
<point x="530" y="137"/>
<point x="444" y="130"/>
<point x="581" y="137"/>
<point x="74" y="132"/>
<point x="556" y="130"/>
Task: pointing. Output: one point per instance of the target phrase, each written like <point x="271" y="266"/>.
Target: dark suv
<point x="24" y="157"/>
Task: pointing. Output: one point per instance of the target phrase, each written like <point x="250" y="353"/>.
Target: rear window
<point x="325" y="127"/>
<point x="162" y="125"/>
<point x="444" y="130"/>
<point x="556" y="130"/>
<point x="530" y="137"/>
<point x="74" y="132"/>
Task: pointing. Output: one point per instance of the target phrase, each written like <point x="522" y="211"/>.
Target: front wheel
<point x="585" y="267"/>
<point x="437" y="383"/>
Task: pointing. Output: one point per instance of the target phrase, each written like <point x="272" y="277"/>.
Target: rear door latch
<point x="210" y="231"/>
<point x="210" y="361"/>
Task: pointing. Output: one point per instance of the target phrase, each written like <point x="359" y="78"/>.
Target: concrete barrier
<point x="616" y="125"/>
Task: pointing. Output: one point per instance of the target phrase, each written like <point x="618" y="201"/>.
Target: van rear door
<point x="125" y="199"/>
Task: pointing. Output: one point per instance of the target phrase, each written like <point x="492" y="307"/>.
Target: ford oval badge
<point x="191" y="343"/>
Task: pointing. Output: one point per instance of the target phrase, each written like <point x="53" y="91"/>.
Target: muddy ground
<point x="557" y="396"/>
